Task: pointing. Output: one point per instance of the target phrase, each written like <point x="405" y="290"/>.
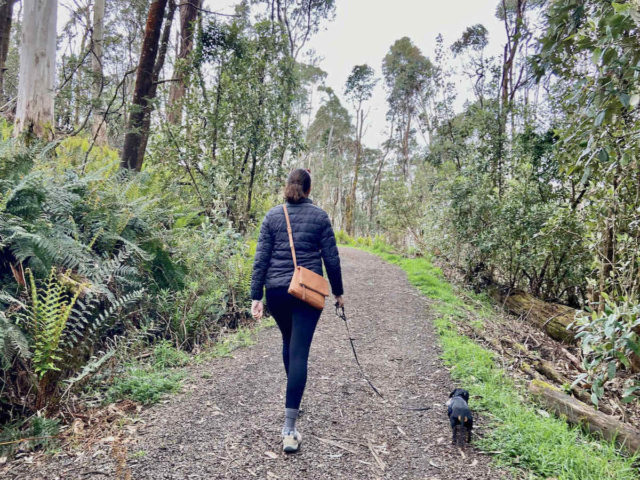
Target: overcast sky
<point x="363" y="31"/>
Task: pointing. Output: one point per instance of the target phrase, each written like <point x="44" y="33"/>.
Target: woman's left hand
<point x="257" y="309"/>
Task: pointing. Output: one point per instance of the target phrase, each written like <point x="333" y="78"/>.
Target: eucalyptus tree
<point x="407" y="73"/>
<point x="330" y="139"/>
<point x="189" y="11"/>
<point x="34" y="111"/>
<point x="99" y="127"/>
<point x="358" y="89"/>
<point x="6" y="17"/>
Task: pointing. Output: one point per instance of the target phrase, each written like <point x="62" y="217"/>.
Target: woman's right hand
<point x="339" y="301"/>
<point x="257" y="309"/>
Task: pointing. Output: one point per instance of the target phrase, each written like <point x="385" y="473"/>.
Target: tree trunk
<point x="579" y="413"/>
<point x="351" y="199"/>
<point x="143" y="86"/>
<point x="188" y="15"/>
<point x="553" y="318"/>
<point x="6" y="13"/>
<point x="162" y="52"/>
<point x="99" y="128"/>
<point x="34" y="112"/>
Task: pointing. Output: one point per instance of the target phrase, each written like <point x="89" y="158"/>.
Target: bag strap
<point x="293" y="250"/>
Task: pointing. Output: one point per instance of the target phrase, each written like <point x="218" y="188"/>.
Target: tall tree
<point x="162" y="53"/>
<point x="359" y="89"/>
<point x="6" y="14"/>
<point x="188" y="16"/>
<point x="97" y="46"/>
<point x="34" y="112"/>
<point x="406" y="73"/>
<point x="143" y="86"/>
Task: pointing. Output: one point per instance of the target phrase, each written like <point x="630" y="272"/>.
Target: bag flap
<point x="313" y="281"/>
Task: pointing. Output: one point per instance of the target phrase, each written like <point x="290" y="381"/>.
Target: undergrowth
<point x="36" y="433"/>
<point x="519" y="436"/>
<point x="149" y="382"/>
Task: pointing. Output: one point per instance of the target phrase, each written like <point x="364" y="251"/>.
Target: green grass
<point x="520" y="437"/>
<point x="165" y="355"/>
<point x="144" y="385"/>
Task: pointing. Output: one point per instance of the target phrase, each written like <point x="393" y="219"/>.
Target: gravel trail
<point x="226" y="423"/>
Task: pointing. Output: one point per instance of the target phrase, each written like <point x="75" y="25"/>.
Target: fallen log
<point x="552" y="318"/>
<point x="579" y="413"/>
<point x="547" y="370"/>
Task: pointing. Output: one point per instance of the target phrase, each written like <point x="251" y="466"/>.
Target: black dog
<point x="460" y="416"/>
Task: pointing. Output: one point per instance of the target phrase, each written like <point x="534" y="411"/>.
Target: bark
<point x="34" y="112"/>
<point x="579" y="413"/>
<point x="6" y="13"/>
<point x="552" y="318"/>
<point x="216" y="110"/>
<point x="188" y="15"/>
<point x="99" y="127"/>
<point x="143" y="87"/>
<point x="351" y="199"/>
<point x="162" y="52"/>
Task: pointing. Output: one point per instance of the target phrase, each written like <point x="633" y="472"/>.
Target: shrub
<point x="608" y="341"/>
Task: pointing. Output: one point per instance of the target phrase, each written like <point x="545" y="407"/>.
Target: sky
<point x="363" y="31"/>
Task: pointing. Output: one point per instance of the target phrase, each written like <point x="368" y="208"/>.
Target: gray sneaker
<point x="291" y="441"/>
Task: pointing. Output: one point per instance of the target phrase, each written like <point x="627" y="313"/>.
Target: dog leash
<point x="342" y="315"/>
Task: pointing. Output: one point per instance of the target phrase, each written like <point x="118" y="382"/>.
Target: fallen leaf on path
<point x="271" y="455"/>
<point x="434" y="465"/>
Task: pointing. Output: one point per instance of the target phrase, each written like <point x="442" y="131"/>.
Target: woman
<point x="314" y="242"/>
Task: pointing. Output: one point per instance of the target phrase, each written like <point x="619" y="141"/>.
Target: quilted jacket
<point x="314" y="242"/>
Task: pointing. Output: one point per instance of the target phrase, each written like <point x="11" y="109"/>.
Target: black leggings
<point x="297" y="322"/>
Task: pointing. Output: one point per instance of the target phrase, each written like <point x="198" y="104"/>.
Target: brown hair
<point x="298" y="185"/>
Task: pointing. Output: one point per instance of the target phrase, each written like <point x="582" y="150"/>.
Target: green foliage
<point x="608" y="340"/>
<point x="590" y="47"/>
<point x="167" y="356"/>
<point x="50" y="310"/>
<point x="143" y="385"/>
<point x="520" y="437"/>
<point x="208" y="302"/>
<point x="76" y="249"/>
<point x="360" y="83"/>
<point x="38" y="432"/>
<point x="13" y="342"/>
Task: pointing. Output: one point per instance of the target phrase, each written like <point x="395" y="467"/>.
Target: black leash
<point x="340" y="313"/>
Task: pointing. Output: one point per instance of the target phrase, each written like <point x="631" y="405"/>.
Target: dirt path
<point x="227" y="426"/>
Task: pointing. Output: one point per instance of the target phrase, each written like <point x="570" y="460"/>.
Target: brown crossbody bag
<point x="306" y="285"/>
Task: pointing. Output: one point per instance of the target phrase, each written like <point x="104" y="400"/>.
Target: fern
<point x="13" y="342"/>
<point x="50" y="309"/>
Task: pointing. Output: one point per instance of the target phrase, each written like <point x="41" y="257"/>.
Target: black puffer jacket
<point x="314" y="242"/>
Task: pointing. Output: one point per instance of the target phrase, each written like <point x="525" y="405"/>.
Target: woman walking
<point x="273" y="268"/>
